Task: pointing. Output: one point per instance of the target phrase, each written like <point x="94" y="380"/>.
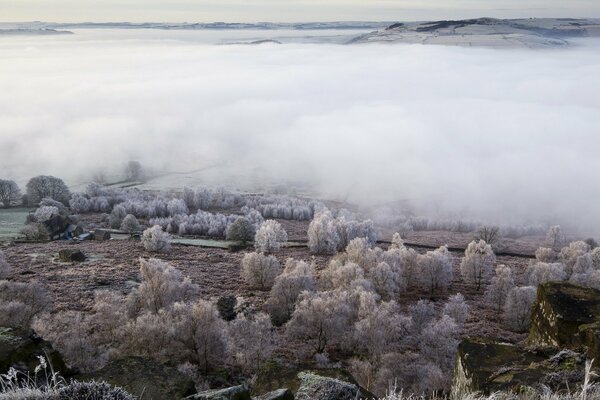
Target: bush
<point x="47" y="186"/>
<point x="155" y="240"/>
<point x="130" y="224"/>
<point x="476" y="266"/>
<point x="117" y="215"/>
<point x="20" y="302"/>
<point x="569" y="254"/>
<point x="10" y="194"/>
<point x="79" y="203"/>
<point x="241" y="230"/>
<point x="5" y="268"/>
<point x="517" y="309"/>
<point x="546" y="255"/>
<point x="502" y="283"/>
<point x="259" y="270"/>
<point x="297" y="277"/>
<point x="35" y="231"/>
<point x="269" y="237"/>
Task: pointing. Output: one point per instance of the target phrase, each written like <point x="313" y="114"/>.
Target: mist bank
<point x="507" y="135"/>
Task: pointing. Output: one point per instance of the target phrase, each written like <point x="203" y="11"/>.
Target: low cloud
<point x="500" y="134"/>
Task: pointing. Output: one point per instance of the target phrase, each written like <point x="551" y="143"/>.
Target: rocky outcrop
<point x="486" y="366"/>
<point x="564" y="315"/>
<point x="69" y="255"/>
<point x="232" y="393"/>
<point x="21" y="350"/>
<point x="141" y="376"/>
<point x="280" y="394"/>
<point x="276" y="374"/>
<point x="316" y="387"/>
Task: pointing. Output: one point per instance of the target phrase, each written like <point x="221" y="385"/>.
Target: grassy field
<point x="11" y="221"/>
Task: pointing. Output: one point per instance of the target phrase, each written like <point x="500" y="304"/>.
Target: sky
<point x="501" y="134"/>
<point x="286" y="10"/>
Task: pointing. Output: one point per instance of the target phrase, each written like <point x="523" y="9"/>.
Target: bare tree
<point x="489" y="234"/>
<point x="43" y="186"/>
<point x="10" y="194"/>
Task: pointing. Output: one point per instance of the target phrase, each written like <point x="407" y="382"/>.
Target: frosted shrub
<point x="323" y="236"/>
<point x="435" y="269"/>
<point x="517" y="309"/>
<point x="79" y="204"/>
<point x="501" y="284"/>
<point x="378" y="332"/>
<point x="252" y="341"/>
<point x="156" y="240"/>
<point x="546" y="255"/>
<point x="259" y="270"/>
<point x="130" y="224"/>
<point x="412" y="372"/>
<point x="35" y="231"/>
<point x="476" y="266"/>
<point x="569" y="254"/>
<point x="388" y="281"/>
<point x="117" y="215"/>
<point x="457" y="309"/>
<point x="241" y="230"/>
<point x="421" y="313"/>
<point x="5" y="268"/>
<point x="438" y="342"/>
<point x="297" y="277"/>
<point x="359" y="252"/>
<point x="20" y="302"/>
<point x="270" y="237"/>
<point x="540" y="272"/>
<point x="397" y="242"/>
<point x="162" y="285"/>
<point x="44" y="213"/>
<point x="321" y="319"/>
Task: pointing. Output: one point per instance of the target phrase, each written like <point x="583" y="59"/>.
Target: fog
<point x="505" y="135"/>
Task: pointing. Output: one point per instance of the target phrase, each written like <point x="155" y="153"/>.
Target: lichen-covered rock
<point x="484" y="365"/>
<point x="232" y="393"/>
<point x="316" y="387"/>
<point x="71" y="255"/>
<point x="279" y="394"/>
<point x="101" y="235"/>
<point x="141" y="376"/>
<point x="276" y="374"/>
<point x="559" y="312"/>
<point x="21" y="350"/>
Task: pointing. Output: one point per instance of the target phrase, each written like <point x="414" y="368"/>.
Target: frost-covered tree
<point x="241" y="230"/>
<point x="177" y="207"/>
<point x="156" y="240"/>
<point x="380" y="331"/>
<point x="457" y="308"/>
<point x="5" y="268"/>
<point x="43" y="186"/>
<point x="321" y="319"/>
<point x="421" y="313"/>
<point x="79" y="203"/>
<point x="323" y="237"/>
<point x="569" y="254"/>
<point x="435" y="269"/>
<point x="297" y="277"/>
<point x="162" y="285"/>
<point x="44" y="213"/>
<point x="517" y="309"/>
<point x="252" y="341"/>
<point x="438" y="342"/>
<point x="270" y="237"/>
<point x="397" y="241"/>
<point x="10" y="194"/>
<point x="260" y="270"/>
<point x="541" y="272"/>
<point x="412" y="372"/>
<point x="501" y="284"/>
<point x="189" y="197"/>
<point x="546" y="255"/>
<point x="477" y="265"/>
<point x="340" y="275"/>
<point x="130" y="224"/>
<point x="555" y="238"/>
<point x="20" y="302"/>
<point x="387" y="280"/>
<point x="117" y="216"/>
<point x="133" y="171"/>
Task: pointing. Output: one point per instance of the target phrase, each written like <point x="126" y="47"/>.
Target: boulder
<point x="56" y="225"/>
<point x="140" y="376"/>
<point x="70" y="255"/>
<point x="279" y="394"/>
<point x="232" y="393"/>
<point x="276" y="374"/>
<point x="486" y="366"/>
<point x="21" y="350"/>
<point x="560" y="311"/>
<point x="316" y="387"/>
<point x="100" y="235"/>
